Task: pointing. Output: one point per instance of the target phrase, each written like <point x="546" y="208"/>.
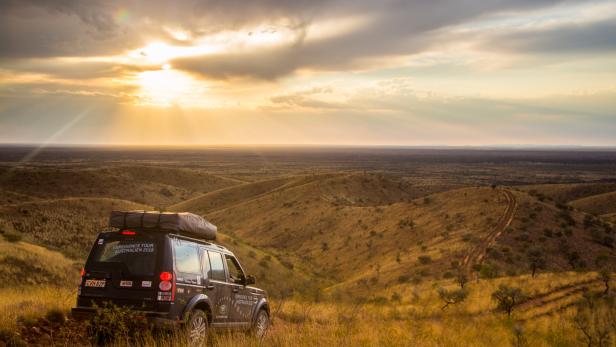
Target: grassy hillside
<point x="155" y="186"/>
<point x="328" y="224"/>
<point x="599" y="204"/>
<point x="569" y="192"/>
<point x="24" y="264"/>
<point x="33" y="280"/>
<point x="362" y="256"/>
<point x="280" y="279"/>
<point x="553" y="237"/>
<point x="68" y="225"/>
<point x="229" y="196"/>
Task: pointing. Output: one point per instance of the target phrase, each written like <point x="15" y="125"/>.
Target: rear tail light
<point x="128" y="232"/>
<point x="166" y="287"/>
<point x="166" y="276"/>
<point x="83" y="272"/>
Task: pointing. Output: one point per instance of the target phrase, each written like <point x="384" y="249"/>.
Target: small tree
<point x="573" y="258"/>
<point x="592" y="320"/>
<point x="508" y="298"/>
<point x="462" y="279"/>
<point x="605" y="277"/>
<point x="536" y="261"/>
<point x="451" y="297"/>
<point x="519" y="340"/>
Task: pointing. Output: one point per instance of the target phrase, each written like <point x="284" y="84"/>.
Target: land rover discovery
<point x="172" y="279"/>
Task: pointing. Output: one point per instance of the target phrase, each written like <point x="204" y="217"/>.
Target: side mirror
<point x="250" y="279"/>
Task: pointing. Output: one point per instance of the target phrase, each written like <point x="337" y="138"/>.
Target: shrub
<point x="461" y="279"/>
<point x="113" y="323"/>
<point x="424" y="259"/>
<point x="451" y="297"/>
<point x="403" y="279"/>
<point x="55" y="316"/>
<point x="11" y="339"/>
<point x="13" y="237"/>
<point x="263" y="263"/>
<point x="396" y="297"/>
<point x="488" y="271"/>
<point x="594" y="319"/>
<point x="508" y="298"/>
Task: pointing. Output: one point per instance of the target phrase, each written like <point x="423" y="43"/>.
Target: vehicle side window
<point x="217" y="271"/>
<point x="205" y="264"/>
<point x="236" y="275"/>
<point x="186" y="257"/>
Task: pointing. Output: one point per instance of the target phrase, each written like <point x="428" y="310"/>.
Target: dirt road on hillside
<point x="478" y="251"/>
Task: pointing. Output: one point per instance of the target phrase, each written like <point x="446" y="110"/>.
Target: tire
<point x="261" y="324"/>
<point x="197" y="328"/>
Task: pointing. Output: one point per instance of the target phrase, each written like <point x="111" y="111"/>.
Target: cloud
<point x="38" y="28"/>
<point x="307" y="98"/>
<point x="587" y="38"/>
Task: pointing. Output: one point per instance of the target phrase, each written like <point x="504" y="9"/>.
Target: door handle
<point x="235" y="290"/>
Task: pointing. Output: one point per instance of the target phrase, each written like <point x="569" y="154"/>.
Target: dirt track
<point x="478" y="251"/>
<point x="558" y="298"/>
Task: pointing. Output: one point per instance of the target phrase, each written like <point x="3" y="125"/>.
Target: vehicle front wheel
<point x="261" y="324"/>
<point x="197" y="328"/>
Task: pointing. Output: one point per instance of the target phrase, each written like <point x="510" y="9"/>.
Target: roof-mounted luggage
<point x="184" y="223"/>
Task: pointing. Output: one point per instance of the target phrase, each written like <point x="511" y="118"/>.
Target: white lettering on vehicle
<point x="133" y="248"/>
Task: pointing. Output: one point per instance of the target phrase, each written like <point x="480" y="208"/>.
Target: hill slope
<point x="599" y="204"/>
<point x="156" y="186"/>
<point x="68" y="224"/>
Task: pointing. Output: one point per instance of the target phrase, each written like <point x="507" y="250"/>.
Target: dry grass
<point x="27" y="303"/>
<point x="417" y="321"/>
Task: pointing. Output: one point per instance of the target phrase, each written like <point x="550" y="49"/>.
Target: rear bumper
<point x="159" y="319"/>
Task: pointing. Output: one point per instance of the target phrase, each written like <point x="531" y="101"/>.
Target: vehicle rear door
<point x="122" y="268"/>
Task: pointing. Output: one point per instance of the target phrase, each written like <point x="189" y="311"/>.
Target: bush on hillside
<point x="507" y="298"/>
<point x="13" y="237"/>
<point x="452" y="297"/>
<point x="424" y="259"/>
<point x="55" y="316"/>
<point x="10" y="338"/>
<point x="112" y="323"/>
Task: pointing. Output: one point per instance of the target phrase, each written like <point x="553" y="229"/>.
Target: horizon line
<point x="304" y="145"/>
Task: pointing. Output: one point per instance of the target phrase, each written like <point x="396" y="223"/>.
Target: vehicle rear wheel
<point x="261" y="324"/>
<point x="197" y="328"/>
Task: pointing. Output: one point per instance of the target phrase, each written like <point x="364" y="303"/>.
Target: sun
<point x="168" y="87"/>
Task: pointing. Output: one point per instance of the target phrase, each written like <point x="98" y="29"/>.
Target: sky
<point x="348" y="72"/>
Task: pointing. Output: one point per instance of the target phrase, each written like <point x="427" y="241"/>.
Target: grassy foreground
<point x="414" y="319"/>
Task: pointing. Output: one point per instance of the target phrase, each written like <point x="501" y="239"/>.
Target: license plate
<point x="95" y="283"/>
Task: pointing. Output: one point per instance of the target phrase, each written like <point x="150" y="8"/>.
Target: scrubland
<point x="354" y="250"/>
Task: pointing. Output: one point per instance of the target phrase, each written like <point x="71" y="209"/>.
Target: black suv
<point x="173" y="280"/>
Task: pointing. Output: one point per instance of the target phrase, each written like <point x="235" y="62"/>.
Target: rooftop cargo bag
<point x="183" y="222"/>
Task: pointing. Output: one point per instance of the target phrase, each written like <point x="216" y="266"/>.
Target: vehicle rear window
<point x="139" y="255"/>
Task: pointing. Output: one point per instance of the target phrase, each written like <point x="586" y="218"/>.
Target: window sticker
<point x="126" y="283"/>
<point x="133" y="248"/>
<point x="146" y="284"/>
